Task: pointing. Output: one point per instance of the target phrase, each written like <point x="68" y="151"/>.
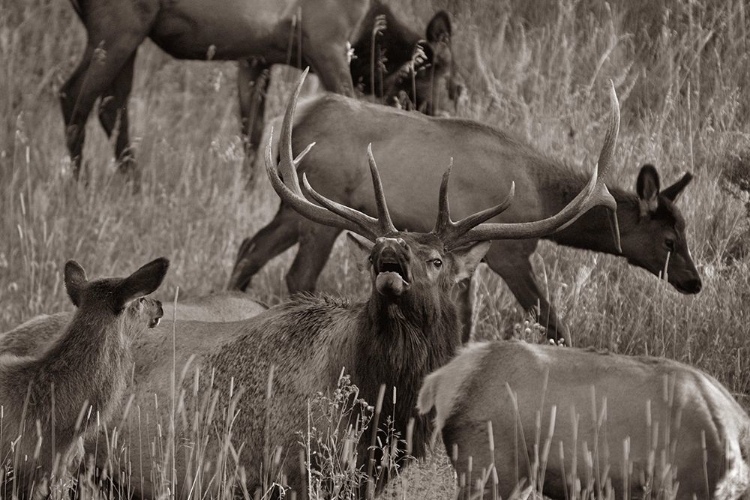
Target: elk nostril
<point x="695" y="285"/>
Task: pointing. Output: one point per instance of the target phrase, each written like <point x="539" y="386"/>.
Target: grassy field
<point x="681" y="70"/>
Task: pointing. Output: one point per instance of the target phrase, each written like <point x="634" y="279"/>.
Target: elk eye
<point x="669" y="242"/>
<point x="437" y="263"/>
<point x="142" y="300"/>
<point x="369" y="259"/>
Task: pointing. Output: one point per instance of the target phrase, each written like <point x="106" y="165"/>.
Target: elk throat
<point x="401" y="342"/>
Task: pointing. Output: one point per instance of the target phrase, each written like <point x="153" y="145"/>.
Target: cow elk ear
<point x="361" y="247"/>
<point x="142" y="282"/>
<point x="673" y="192"/>
<point x="466" y="259"/>
<point x="75" y="280"/>
<point x="439" y="28"/>
<point x="647" y="188"/>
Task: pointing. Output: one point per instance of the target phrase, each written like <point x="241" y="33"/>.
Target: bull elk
<point x="628" y="425"/>
<point x="256" y="32"/>
<point x="409" y="147"/>
<point x="87" y="365"/>
<point x="407" y="328"/>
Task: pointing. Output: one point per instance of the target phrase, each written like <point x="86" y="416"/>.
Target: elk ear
<point x="673" y="192"/>
<point x="75" y="280"/>
<point x="359" y="246"/>
<point x="466" y="259"/>
<point x="142" y="282"/>
<point x="647" y="188"/>
<point x="439" y="27"/>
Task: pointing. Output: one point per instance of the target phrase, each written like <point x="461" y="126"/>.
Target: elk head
<point x="657" y="241"/>
<point x="118" y="296"/>
<point x="415" y="84"/>
<point x="407" y="267"/>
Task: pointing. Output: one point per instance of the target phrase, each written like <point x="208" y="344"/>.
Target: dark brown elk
<point x="406" y="328"/>
<point x="257" y="32"/>
<point x="87" y="365"/>
<point x="409" y="146"/>
<point x="622" y="424"/>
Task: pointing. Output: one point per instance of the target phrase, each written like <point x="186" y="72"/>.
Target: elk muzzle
<point x="390" y="264"/>
<point x="152" y="309"/>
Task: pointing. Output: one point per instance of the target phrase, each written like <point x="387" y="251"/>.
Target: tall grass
<point x="540" y="70"/>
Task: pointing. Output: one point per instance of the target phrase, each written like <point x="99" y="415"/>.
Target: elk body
<point x="405" y="329"/>
<point x="257" y="32"/>
<point x="617" y="423"/>
<point x="87" y="365"/>
<point x="34" y="336"/>
<point x="410" y="146"/>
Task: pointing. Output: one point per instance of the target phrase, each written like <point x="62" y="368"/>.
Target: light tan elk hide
<point x="87" y="366"/>
<point x="406" y="328"/>
<point x="410" y="147"/>
<point x="640" y="423"/>
<point x="33" y="337"/>
<point x="259" y="33"/>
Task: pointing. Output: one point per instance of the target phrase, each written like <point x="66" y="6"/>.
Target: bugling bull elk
<point x="629" y="425"/>
<point x="409" y="147"/>
<point x="406" y="329"/>
<point x="257" y="32"/>
<point x="86" y="365"/>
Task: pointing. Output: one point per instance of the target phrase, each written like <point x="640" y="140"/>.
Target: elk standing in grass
<point x="406" y="328"/>
<point x="410" y="147"/>
<point x="88" y="365"/>
<point x="33" y="337"/>
<point x="632" y="424"/>
<point x="256" y="31"/>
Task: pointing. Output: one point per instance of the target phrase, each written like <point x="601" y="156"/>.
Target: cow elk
<point x="84" y="369"/>
<point x="407" y="328"/>
<point x="410" y="147"/>
<point x="603" y="423"/>
<point x="32" y="337"/>
<point x="259" y="33"/>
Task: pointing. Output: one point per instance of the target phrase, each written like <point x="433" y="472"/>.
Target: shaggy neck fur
<point x="399" y="344"/>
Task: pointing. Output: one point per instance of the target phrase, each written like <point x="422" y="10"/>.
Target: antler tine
<point x="289" y="189"/>
<point x="384" y="217"/>
<point x="595" y="193"/>
<point x="371" y="226"/>
<point x="446" y="229"/>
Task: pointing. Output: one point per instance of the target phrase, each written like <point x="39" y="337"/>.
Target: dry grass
<point x="539" y="71"/>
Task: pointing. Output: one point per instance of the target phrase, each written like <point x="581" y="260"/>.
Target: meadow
<point x="537" y="68"/>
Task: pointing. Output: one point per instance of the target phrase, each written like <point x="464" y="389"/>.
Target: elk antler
<point x="473" y="229"/>
<point x="331" y="213"/>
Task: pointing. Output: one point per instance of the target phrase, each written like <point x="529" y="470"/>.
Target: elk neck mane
<point x="558" y="183"/>
<point x="416" y="337"/>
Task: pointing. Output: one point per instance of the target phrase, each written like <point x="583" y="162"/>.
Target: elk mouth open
<point x="392" y="277"/>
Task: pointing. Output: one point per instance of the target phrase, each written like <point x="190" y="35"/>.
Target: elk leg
<point x="107" y="52"/>
<point x="280" y="234"/>
<point x="113" y="113"/>
<point x="510" y="261"/>
<point x="252" y="82"/>
<point x="315" y="245"/>
<point x="75" y="136"/>
<point x="333" y="70"/>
